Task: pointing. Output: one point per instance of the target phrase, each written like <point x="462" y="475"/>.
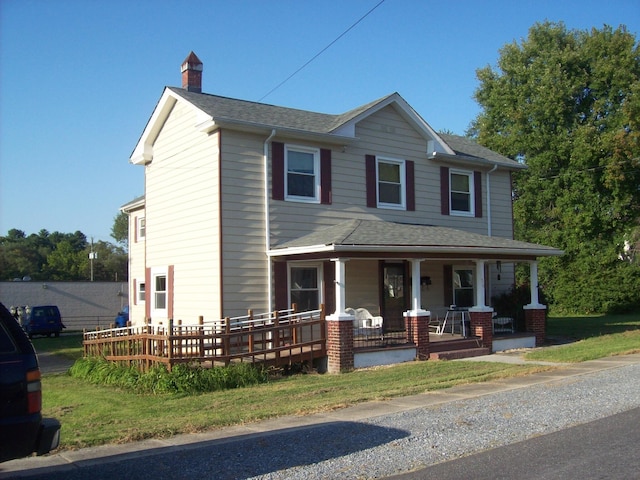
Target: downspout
<point x="488" y="285"/>
<point x="267" y="221"/>
<point x="495" y="167"/>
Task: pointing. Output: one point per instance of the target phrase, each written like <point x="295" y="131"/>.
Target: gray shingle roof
<point x="469" y="148"/>
<point x="377" y="233"/>
<point x="224" y="108"/>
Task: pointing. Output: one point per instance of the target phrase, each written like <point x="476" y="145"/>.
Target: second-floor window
<point x="303" y="173"/>
<point x="391" y="183"/>
<point x="461" y="191"/>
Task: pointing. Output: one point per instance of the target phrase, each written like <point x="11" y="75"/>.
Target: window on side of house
<point x="391" y="183"/>
<point x="142" y="228"/>
<point x="302" y="167"/>
<point x="461" y="193"/>
<point x="463" y="286"/>
<point x="141" y="287"/>
<point x="160" y="292"/>
<point x="304" y="287"/>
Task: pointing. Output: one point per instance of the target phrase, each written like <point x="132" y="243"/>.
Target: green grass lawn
<point x="95" y="415"/>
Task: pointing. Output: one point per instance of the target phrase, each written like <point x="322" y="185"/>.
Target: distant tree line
<point x="64" y="256"/>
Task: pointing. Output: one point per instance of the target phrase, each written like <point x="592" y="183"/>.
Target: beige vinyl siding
<point x="361" y="277"/>
<point x="136" y="268"/>
<point x="182" y="201"/>
<point x="387" y="134"/>
<point x="244" y="261"/>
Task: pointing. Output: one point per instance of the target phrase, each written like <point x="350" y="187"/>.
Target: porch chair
<point x="503" y="325"/>
<point x="365" y="323"/>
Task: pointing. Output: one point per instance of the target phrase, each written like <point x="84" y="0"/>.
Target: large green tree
<point x="567" y="104"/>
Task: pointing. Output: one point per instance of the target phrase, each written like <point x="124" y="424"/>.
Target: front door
<point x="395" y="295"/>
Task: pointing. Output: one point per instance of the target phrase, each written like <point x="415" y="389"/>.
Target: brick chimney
<point x="192" y="73"/>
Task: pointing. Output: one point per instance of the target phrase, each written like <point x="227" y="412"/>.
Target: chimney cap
<point x="192" y="62"/>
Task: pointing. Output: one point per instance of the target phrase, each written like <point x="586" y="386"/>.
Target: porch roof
<point x="378" y="237"/>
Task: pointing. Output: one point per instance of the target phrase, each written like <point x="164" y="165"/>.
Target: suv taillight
<point x="34" y="392"/>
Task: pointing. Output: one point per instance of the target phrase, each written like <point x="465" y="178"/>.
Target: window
<point x="160" y="292"/>
<point x="141" y="292"/>
<point x="305" y="287"/>
<point x="303" y="174"/>
<point x="142" y="228"/>
<point x="463" y="286"/>
<point x="390" y="178"/>
<point x="461" y="191"/>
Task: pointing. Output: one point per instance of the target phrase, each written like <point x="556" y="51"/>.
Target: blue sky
<point x="80" y="78"/>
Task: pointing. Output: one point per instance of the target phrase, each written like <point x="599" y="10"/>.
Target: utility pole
<point x="92" y="256"/>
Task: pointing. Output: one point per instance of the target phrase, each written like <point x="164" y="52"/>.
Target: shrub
<point x="182" y="379"/>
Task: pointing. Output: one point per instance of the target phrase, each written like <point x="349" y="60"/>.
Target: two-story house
<point x="250" y="205"/>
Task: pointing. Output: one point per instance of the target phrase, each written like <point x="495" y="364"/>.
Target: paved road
<point x="369" y="440"/>
<point x="608" y="448"/>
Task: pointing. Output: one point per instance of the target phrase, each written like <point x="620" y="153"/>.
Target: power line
<point x="320" y="52"/>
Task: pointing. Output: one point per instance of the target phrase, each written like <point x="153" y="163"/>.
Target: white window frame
<point x="155" y="273"/>
<point x="141" y="228"/>
<point x="316" y="174"/>
<point x="471" y="193"/>
<point x="403" y="183"/>
<point x="319" y="289"/>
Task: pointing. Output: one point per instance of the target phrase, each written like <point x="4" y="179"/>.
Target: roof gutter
<point x="267" y="220"/>
<point x="426" y="249"/>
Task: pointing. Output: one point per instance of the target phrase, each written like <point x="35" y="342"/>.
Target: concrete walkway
<point x="70" y="460"/>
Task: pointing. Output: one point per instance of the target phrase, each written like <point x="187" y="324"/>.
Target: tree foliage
<point x="59" y="256"/>
<point x="567" y="104"/>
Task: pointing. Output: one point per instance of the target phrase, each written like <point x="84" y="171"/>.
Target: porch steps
<point x="455" y="349"/>
<point x="456" y="354"/>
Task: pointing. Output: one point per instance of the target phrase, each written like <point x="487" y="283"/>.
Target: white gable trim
<point x="143" y="152"/>
<point x="434" y="142"/>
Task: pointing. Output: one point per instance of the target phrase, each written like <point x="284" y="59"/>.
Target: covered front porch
<point x="396" y="292"/>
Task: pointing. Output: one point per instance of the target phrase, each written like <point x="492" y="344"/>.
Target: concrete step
<point x="456" y="354"/>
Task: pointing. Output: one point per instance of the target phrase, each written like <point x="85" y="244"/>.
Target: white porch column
<point x="533" y="280"/>
<point x="340" y="282"/>
<point x="416" y="300"/>
<point x="480" y="284"/>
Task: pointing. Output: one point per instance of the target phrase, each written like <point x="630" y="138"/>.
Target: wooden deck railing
<point x="277" y="338"/>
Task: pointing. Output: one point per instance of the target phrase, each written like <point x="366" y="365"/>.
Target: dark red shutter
<point x="448" y="284"/>
<point x="325" y="176"/>
<point x="147" y="294"/>
<point x="280" y="285"/>
<point x="477" y="190"/>
<point x="329" y="275"/>
<point x="372" y="196"/>
<point x="410" y="182"/>
<point x="277" y="170"/>
<point x="444" y="190"/>
<point x="135" y="291"/>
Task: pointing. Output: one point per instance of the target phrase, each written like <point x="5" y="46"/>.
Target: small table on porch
<point x="452" y="315"/>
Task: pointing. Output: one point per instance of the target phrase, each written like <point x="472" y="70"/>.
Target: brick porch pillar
<point x="339" y="344"/>
<point x="535" y="320"/>
<point x="481" y="321"/>
<point x="417" y="326"/>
